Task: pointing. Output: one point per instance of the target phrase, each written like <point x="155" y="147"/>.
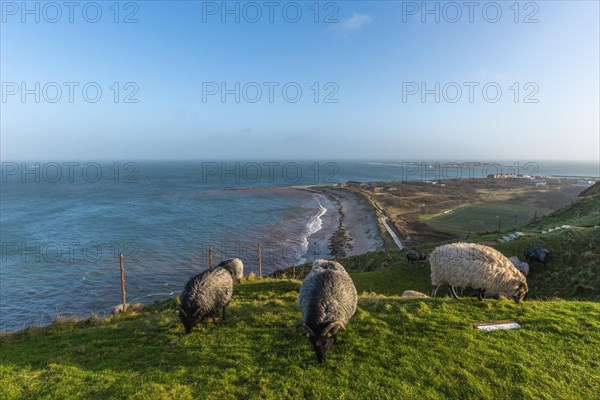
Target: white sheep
<point x="477" y="266"/>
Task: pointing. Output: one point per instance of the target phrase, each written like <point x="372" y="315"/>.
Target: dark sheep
<point x="205" y="294"/>
<point x="414" y="256"/>
<point x="327" y="300"/>
<point x="538" y="254"/>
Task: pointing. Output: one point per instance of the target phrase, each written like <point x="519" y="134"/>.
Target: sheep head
<point x="519" y="289"/>
<point x="188" y="319"/>
<point x="322" y="341"/>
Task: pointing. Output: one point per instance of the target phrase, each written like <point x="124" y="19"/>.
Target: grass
<point x="483" y="217"/>
<point x="585" y="212"/>
<point x="393" y="348"/>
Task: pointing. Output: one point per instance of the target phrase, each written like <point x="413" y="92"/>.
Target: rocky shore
<point x="349" y="226"/>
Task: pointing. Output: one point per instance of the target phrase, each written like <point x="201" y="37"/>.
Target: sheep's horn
<point x="334" y="326"/>
<point x="181" y="311"/>
<point x="305" y="327"/>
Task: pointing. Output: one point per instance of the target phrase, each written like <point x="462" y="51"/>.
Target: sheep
<point x="539" y="254"/>
<point x="476" y="266"/>
<point x="521" y="266"/>
<point x="327" y="301"/>
<point x="235" y="266"/>
<point x="208" y="292"/>
<point x="414" y="293"/>
<point x="414" y="255"/>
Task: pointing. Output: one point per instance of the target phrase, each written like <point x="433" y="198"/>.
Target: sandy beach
<point x="349" y="226"/>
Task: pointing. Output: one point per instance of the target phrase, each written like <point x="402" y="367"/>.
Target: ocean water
<point x="63" y="225"/>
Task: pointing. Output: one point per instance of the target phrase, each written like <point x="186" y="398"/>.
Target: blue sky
<point x="368" y="61"/>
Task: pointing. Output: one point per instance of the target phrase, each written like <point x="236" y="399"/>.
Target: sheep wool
<point x="327" y="301"/>
<point x="235" y="266"/>
<point x="204" y="295"/>
<point x="476" y="266"/>
<point x="521" y="266"/>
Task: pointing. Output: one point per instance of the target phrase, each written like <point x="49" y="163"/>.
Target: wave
<point x="314" y="225"/>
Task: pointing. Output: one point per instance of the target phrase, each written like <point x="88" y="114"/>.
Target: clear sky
<point x="370" y="68"/>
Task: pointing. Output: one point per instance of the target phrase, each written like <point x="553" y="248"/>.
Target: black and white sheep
<point x="327" y="301"/>
<point x="477" y="266"/>
<point x="205" y="294"/>
<point x="538" y="254"/>
<point x="415" y="255"/>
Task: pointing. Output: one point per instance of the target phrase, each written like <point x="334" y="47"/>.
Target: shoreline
<point x="349" y="227"/>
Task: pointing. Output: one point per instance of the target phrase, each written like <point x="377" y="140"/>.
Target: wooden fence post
<point x="259" y="261"/>
<point x="123" y="283"/>
<point x="210" y="256"/>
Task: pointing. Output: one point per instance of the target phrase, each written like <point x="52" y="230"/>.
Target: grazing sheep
<point x="235" y="266"/>
<point x="327" y="300"/>
<point x="476" y="266"/>
<point x="414" y="256"/>
<point x="208" y="292"/>
<point x="521" y="266"/>
<point x="414" y="293"/>
<point x="538" y="254"/>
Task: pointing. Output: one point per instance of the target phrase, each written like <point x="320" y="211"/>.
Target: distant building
<point x="508" y="176"/>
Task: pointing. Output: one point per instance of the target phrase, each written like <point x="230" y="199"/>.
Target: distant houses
<point x="538" y="181"/>
<point x="510" y="176"/>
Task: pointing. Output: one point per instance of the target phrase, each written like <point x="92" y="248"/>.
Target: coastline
<point x="349" y="227"/>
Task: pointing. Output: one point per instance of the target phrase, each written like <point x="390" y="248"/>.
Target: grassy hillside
<point x="584" y="212"/>
<point x="393" y="348"/>
<point x="572" y="272"/>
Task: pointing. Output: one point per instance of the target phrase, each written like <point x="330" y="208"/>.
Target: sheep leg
<point x="223" y="313"/>
<point x="480" y="294"/>
<point x="435" y="289"/>
<point x="453" y="292"/>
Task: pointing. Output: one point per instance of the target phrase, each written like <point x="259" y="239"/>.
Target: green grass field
<point x="483" y="217"/>
<point x="393" y="348"/>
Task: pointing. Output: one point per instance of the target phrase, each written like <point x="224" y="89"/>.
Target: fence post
<point x="123" y="283"/>
<point x="210" y="256"/>
<point x="293" y="271"/>
<point x="259" y="261"/>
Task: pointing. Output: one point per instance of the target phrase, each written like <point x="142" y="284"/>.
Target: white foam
<point x="314" y="225"/>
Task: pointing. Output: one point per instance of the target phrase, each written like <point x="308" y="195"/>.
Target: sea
<point x="63" y="224"/>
